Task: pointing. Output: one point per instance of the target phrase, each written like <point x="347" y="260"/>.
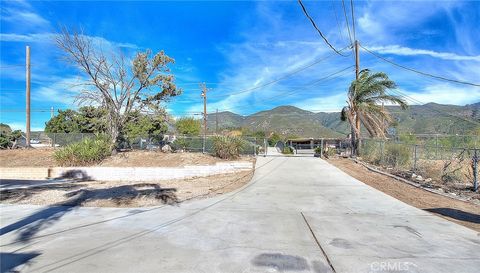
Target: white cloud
<point x="444" y="94"/>
<point x="333" y="103"/>
<point x="22" y="14"/>
<point x="50" y="38"/>
<point x="62" y="91"/>
<point x="406" y="51"/>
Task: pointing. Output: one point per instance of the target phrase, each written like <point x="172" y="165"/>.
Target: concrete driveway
<point x="298" y="214"/>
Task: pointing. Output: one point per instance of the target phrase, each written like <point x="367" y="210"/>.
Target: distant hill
<point x="419" y="119"/>
<point x="286" y="120"/>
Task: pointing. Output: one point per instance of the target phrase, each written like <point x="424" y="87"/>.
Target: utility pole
<point x="52" y="112"/>
<point x="203" y="86"/>
<point x="216" y="121"/>
<point x="27" y="76"/>
<point x="357" y="61"/>
<point x="357" y="119"/>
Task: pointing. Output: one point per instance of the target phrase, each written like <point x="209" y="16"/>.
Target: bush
<point x="397" y="155"/>
<point x="188" y="126"/>
<point x="228" y="147"/>
<point x="86" y="152"/>
<point x="188" y="144"/>
<point x="287" y="150"/>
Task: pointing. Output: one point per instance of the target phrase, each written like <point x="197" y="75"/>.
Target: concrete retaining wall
<point x="125" y="173"/>
<point x="23" y="173"/>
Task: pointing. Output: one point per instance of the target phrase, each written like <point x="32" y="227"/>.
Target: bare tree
<point x="115" y="84"/>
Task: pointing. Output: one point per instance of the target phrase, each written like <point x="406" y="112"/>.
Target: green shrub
<point x="371" y="151"/>
<point x="397" y="155"/>
<point x="287" y="150"/>
<point x="188" y="144"/>
<point x="228" y="147"/>
<point x="318" y="150"/>
<point x="86" y="152"/>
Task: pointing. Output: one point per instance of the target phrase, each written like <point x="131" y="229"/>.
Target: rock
<point x="419" y="178"/>
<point x="428" y="180"/>
<point x="166" y="149"/>
<point x="414" y="176"/>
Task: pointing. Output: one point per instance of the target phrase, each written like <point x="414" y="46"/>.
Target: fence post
<point x="254" y="146"/>
<point x="475" y="170"/>
<point x="265" y="147"/>
<point x="436" y="147"/>
<point x="415" y="157"/>
<point x="321" y="148"/>
<point x="382" y="145"/>
<point x="203" y="144"/>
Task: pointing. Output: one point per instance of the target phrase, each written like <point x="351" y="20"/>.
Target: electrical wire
<point x="346" y="19"/>
<point x="417" y="71"/>
<point x="299" y="89"/>
<point x="278" y="79"/>
<point x="353" y="20"/>
<point x="338" y="23"/>
<point x="401" y="94"/>
<point x="318" y="30"/>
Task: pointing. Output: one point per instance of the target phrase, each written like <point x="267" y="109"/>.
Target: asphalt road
<point x="298" y="214"/>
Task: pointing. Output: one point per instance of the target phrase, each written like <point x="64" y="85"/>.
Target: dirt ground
<point x="124" y="194"/>
<point x="44" y="158"/>
<point x="27" y="158"/>
<point x="460" y="212"/>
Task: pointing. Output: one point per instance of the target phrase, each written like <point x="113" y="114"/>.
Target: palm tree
<point x="365" y="97"/>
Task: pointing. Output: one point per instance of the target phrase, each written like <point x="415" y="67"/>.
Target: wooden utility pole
<point x="27" y="76"/>
<point x="203" y="86"/>
<point x="216" y="121"/>
<point x="357" y="118"/>
<point x="357" y="61"/>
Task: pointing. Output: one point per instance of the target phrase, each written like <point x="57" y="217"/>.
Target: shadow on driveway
<point x="29" y="226"/>
<point x="9" y="261"/>
<point x="456" y="214"/>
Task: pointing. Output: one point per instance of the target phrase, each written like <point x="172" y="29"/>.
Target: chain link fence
<point x="442" y="163"/>
<point x="251" y="145"/>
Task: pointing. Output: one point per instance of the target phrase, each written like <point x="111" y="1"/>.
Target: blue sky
<point x="235" y="46"/>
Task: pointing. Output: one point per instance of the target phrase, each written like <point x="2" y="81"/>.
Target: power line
<point x="278" y="79"/>
<point x="11" y="65"/>
<point x="318" y="30"/>
<point x="301" y="88"/>
<point x="346" y="19"/>
<point x="419" y="72"/>
<point x="353" y="20"/>
<point x="401" y="94"/>
<point x="338" y="22"/>
<point x="326" y="78"/>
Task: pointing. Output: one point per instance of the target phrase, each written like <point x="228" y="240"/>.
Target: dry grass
<point x="44" y="158"/>
<point x="127" y="194"/>
<point x="27" y="158"/>
<point x="463" y="213"/>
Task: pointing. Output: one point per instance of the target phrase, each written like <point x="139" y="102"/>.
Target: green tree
<point x="8" y="138"/>
<point x="188" y="126"/>
<point x="119" y="85"/>
<point x="66" y="121"/>
<point x="139" y="125"/>
<point x="364" y="98"/>
<point x="88" y="119"/>
<point x="274" y="138"/>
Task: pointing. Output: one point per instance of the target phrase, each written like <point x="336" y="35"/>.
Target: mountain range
<point x="430" y="118"/>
